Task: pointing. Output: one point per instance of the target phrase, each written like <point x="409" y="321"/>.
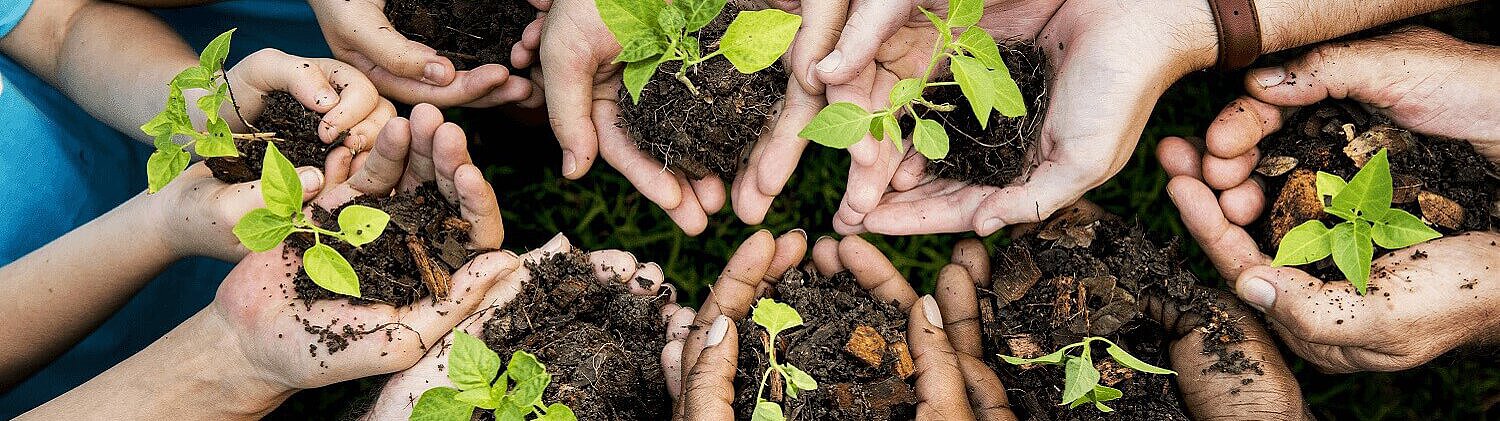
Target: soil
<point x="1070" y="280"/>
<point x="708" y="134"/>
<point x="601" y="343"/>
<point x="1002" y="153"/>
<point x="470" y="33"/>
<point x="295" y="125"/>
<point x="850" y="387"/>
<point x="423" y="243"/>
<point x="1442" y="180"/>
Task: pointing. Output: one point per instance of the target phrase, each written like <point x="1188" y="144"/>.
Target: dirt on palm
<point x="470" y="33"/>
<point x="1001" y="153"/>
<point x="295" y="125"/>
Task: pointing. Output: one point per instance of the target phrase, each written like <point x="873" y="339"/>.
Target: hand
<point x="198" y="212"/>
<point x="1423" y="301"/>
<point x="1110" y="61"/>
<point x="1208" y="394"/>
<point x="268" y="323"/>
<point x="346" y="99"/>
<point x="398" y="397"/>
<point x="410" y="72"/>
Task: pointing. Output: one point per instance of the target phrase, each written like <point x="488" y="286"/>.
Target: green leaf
<point x="210" y="103"/>
<point x="1104" y="393"/>
<point x="839" y="125"/>
<point x="775" y="317"/>
<point x="362" y="224"/>
<point x="796" y="377"/>
<point x="1368" y="195"/>
<point x="438" y="404"/>
<point x="755" y="40"/>
<point x="471" y="364"/>
<point x="632" y="19"/>
<point x="699" y="12"/>
<point x="163" y="166"/>
<point x="195" y="77"/>
<point x="1125" y="359"/>
<point x="974" y="79"/>
<point x="637" y="73"/>
<point x="280" y="186"/>
<point x="262" y="230"/>
<point x="212" y="58"/>
<point x="530" y="375"/>
<point x="689" y="45"/>
<point x="1352" y="252"/>
<point x="1008" y="99"/>
<point x="558" y="412"/>
<point x="892" y="129"/>
<point x="1054" y="358"/>
<point x="218" y="142"/>
<point x="329" y="270"/>
<point x="1102" y="407"/>
<point x="637" y="49"/>
<point x="963" y="13"/>
<point x="670" y="21"/>
<point x="982" y="46"/>
<point x="510" y="410"/>
<point x="766" y="411"/>
<point x="1080" y="378"/>
<point x="480" y="397"/>
<point x="905" y="91"/>
<point x="1329" y="185"/>
<point x="1400" y="229"/>
<point x="944" y="30"/>
<point x="1307" y="243"/>
<point x="930" y="138"/>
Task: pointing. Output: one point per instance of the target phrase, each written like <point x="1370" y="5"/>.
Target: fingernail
<point x="1258" y="292"/>
<point x="989" y="226"/>
<point x="570" y="163"/>
<point x="433" y="72"/>
<point x="930" y="309"/>
<point x="798" y="231"/>
<point x="326" y="98"/>
<point x="555" y="244"/>
<point x="1268" y="77"/>
<point x="717" y="331"/>
<point x="832" y="62"/>
<point x="312" y="179"/>
<point x="655" y="276"/>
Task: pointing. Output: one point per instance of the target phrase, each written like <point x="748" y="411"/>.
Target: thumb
<point x="1363" y="71"/>
<point x="388" y="49"/>
<point x="869" y="25"/>
<point x="248" y="196"/>
<point x="1297" y="303"/>
<point x="710" y="382"/>
<point x="940" y="382"/>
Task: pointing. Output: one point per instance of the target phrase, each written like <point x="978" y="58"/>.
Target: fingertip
<point x="1178" y="157"/>
<point x="440" y="71"/>
<point x="1244" y="203"/>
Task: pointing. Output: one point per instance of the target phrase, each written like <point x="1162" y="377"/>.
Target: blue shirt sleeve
<point x="11" y="12"/>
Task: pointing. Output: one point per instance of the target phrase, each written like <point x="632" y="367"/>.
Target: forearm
<point x="64" y="290"/>
<point x="196" y="371"/>
<point x="1293" y="23"/>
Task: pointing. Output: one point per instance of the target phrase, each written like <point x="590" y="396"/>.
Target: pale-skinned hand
<point x="347" y="100"/>
<point x="198" y="212"/>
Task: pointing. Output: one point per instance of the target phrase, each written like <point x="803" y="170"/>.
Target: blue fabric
<point x="63" y="168"/>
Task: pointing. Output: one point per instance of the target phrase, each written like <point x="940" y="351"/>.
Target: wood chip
<point x="1023" y="345"/>
<point x="1298" y="203"/>
<point x="436" y="277"/>
<point x="1405" y="188"/>
<point x="1276" y="166"/>
<point x="866" y="344"/>
<point x="904" y="365"/>
<point x="1062" y="305"/>
<point x="1112" y="373"/>
<point x="1362" y="148"/>
<point x="1439" y="210"/>
<point x="1015" y="272"/>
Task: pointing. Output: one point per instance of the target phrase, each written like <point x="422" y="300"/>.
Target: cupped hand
<point x="399" y="396"/>
<point x="270" y="324"/>
<point x="408" y="71"/>
<point x="1422" y="301"/>
<point x="347" y="100"/>
<point x="199" y="212"/>
<point x="1110" y="62"/>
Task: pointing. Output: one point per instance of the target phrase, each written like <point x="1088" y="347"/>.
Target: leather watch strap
<point x="1239" y="32"/>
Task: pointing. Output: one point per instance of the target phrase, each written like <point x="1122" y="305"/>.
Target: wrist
<point x="215" y="374"/>
<point x="152" y="216"/>
<point x="1192" y="33"/>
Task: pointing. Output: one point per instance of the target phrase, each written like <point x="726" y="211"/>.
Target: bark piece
<point x="867" y="345"/>
<point x="904" y="365"/>
<point x="1112" y="373"/>
<point x="1439" y="210"/>
<point x="1405" y="188"/>
<point x="1362" y="148"/>
<point x="436" y="277"/>
<point x="1276" y="166"/>
<point x="1298" y="203"/>
<point x="1015" y="273"/>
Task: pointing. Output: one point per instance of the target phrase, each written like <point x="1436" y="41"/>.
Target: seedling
<point x="216" y="140"/>
<point x="1364" y="203"/>
<point x="978" y="70"/>
<point x="776" y="318"/>
<point x="262" y="229"/>
<point x="513" y="395"/>
<point x="1081" y="385"/>
<point x="653" y="32"/>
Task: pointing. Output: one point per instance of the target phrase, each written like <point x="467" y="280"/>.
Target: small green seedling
<point x="653" y="32"/>
<point x="262" y="229"/>
<point x="776" y="318"/>
<point x="1081" y="385"/>
<point x="978" y="70"/>
<point x="1364" y="203"/>
<point x="513" y="395"/>
<point x="170" y="157"/>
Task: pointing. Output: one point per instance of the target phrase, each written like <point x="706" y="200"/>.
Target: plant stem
<point x="264" y="136"/>
<point x="935" y="107"/>
<point x="682" y="77"/>
<point x="941" y="84"/>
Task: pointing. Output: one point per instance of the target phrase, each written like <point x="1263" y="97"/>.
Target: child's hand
<point x="347" y="99"/>
<point x="198" y="212"/>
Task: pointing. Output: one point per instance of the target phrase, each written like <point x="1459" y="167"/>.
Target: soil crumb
<point x="294" y="124"/>
<point x="851" y="343"/>
<point x="1001" y="153"/>
<point x="470" y="33"/>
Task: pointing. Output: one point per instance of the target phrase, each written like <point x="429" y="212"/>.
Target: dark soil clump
<point x="601" y="343"/>
<point x="1073" y="279"/>
<point x="425" y="238"/>
<point x="707" y="135"/>
<point x="871" y="382"/>
<point x="470" y="33"/>
<point x="294" y="124"/>
<point x="1444" y="181"/>
<point x="1000" y="154"/>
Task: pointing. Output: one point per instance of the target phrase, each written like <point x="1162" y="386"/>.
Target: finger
<point x="826" y="256"/>
<point x="362" y="137"/>
<point x="1211" y="393"/>
<point x="680" y="323"/>
<point x="523" y="54"/>
<point x="775" y="156"/>
<point x="613" y="265"/>
<point x="940" y="206"/>
<point x="972" y="256"/>
<point x="479" y="207"/>
<point x="1241" y="125"/>
<point x="648" y="280"/>
<point x="875" y="273"/>
<point x="791" y="248"/>
<point x="384" y="164"/>
<point x="337" y="168"/>
<point x="1295" y="300"/>
<point x="689" y="215"/>
<point x="957" y="299"/>
<point x="571" y="107"/>
<point x="1362" y="71"/>
<point x="1179" y="157"/>
<point x="710" y="193"/>
<point x="736" y="289"/>
<point x="709" y="393"/>
<point x="653" y="179"/>
<point x="1228" y="246"/>
<point x="390" y="51"/>
<point x="466" y="87"/>
<point x="357" y="98"/>
<point x="867" y="183"/>
<point x="912" y="172"/>
<point x="847" y="221"/>
<point x="869" y="25"/>
<point x="821" y="22"/>
<point x="450" y="151"/>
<point x="1051" y="187"/>
<point x="671" y="367"/>
<point x="986" y="394"/>
<point x="940" y="383"/>
<point x="273" y="70"/>
<point x="1243" y="203"/>
<point x="1221" y="174"/>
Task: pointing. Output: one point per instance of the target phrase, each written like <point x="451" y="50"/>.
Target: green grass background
<point x="603" y="211"/>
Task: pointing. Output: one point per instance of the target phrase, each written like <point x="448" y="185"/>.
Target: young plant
<point x="1364" y="203"/>
<point x="652" y="32"/>
<point x="216" y="140"/>
<point x="513" y="395"/>
<point x="262" y="229"/>
<point x="776" y="318"/>
<point x="978" y="70"/>
<point x="1081" y="384"/>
